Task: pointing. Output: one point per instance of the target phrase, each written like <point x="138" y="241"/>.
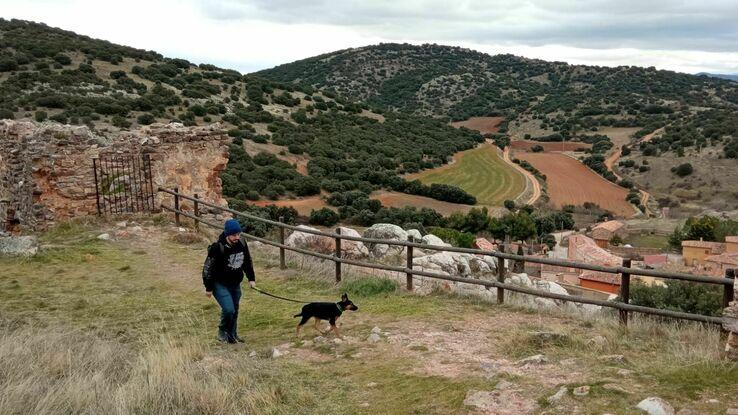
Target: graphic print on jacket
<point x="235" y="261"/>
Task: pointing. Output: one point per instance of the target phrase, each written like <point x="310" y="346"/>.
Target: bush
<point x="323" y="217"/>
<point x="62" y="59"/>
<point x="40" y="116"/>
<point x="537" y="148"/>
<point x="6" y="114"/>
<point x="145" y="119"/>
<point x="684" y="170"/>
<point x="509" y="205"/>
<point x="120" y="122"/>
<point x="684" y="296"/>
<point x="453" y="237"/>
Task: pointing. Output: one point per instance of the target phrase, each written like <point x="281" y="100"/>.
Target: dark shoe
<point x="223" y="337"/>
<point x="238" y="339"/>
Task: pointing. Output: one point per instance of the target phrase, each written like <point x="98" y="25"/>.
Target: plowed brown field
<point x="395" y="199"/>
<point x="548" y="146"/>
<point x="484" y="125"/>
<point x="303" y="205"/>
<point x="572" y="183"/>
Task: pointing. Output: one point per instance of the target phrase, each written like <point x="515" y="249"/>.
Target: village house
<point x="695" y="252"/>
<point x="605" y="231"/>
<point x="585" y="249"/>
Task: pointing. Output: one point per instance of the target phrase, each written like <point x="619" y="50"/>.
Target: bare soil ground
<point x="303" y="205"/>
<point x="485" y="125"/>
<point x="571" y="183"/>
<point x="549" y="147"/>
<point x="396" y="199"/>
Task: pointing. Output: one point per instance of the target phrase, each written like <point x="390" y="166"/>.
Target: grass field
<point x="482" y="173"/>
<point x="122" y="327"/>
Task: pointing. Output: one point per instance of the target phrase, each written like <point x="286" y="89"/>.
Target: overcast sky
<point x="248" y="35"/>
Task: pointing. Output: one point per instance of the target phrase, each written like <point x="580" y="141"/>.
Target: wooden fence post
<point x="409" y="275"/>
<point x="625" y="292"/>
<point x="176" y="206"/>
<point x="501" y="277"/>
<point x="282" y="263"/>
<point x="197" y="211"/>
<point x="338" y="255"/>
<point x="728" y="290"/>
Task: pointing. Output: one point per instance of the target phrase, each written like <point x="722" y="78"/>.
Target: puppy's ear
<point x="344" y="297"/>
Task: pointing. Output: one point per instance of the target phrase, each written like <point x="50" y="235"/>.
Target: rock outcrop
<point x="385" y="231"/>
<point x="317" y="243"/>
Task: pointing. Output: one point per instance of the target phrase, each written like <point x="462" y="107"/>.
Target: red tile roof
<point x="611" y="225"/>
<point x="714" y="247"/>
<point x="731" y="239"/>
<point x="728" y="259"/>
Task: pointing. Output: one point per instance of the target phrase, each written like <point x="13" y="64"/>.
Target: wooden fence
<point x="622" y="304"/>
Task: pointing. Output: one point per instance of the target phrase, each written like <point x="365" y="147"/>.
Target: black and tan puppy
<point x="325" y="311"/>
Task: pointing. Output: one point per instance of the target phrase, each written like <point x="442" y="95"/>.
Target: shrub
<point x="684" y="170"/>
<point x="453" y="237"/>
<point x="62" y="59"/>
<point x="40" y="116"/>
<point x="684" y="296"/>
<point x="145" y="119"/>
<point x="6" y="114"/>
<point x="323" y="217"/>
<point x="509" y="205"/>
<point x="120" y="122"/>
<point x="537" y="148"/>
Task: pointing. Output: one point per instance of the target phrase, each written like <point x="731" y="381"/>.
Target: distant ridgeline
<point x="565" y="99"/>
<point x="52" y="74"/>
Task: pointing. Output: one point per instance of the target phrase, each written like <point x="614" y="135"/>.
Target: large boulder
<point x="352" y="249"/>
<point x="304" y="240"/>
<point x="18" y="245"/>
<point x="415" y="234"/>
<point x="454" y="264"/>
<point x="431" y="239"/>
<point x="389" y="232"/>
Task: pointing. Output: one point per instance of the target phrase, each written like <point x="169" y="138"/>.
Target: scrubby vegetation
<point x="707" y="228"/>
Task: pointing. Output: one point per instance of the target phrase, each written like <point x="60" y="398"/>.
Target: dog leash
<point x="281" y="298"/>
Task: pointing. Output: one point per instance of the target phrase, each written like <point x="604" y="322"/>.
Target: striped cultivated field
<point x="482" y="172"/>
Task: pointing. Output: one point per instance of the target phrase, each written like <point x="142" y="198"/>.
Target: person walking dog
<point x="228" y="259"/>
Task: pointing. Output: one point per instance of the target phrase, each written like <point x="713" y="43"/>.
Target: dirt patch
<point x="550" y="146"/>
<point x="303" y="205"/>
<point x="396" y="199"/>
<point x="532" y="187"/>
<point x="485" y="125"/>
<point x="571" y="183"/>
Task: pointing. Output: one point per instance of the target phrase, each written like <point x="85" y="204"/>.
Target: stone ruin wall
<point x="46" y="170"/>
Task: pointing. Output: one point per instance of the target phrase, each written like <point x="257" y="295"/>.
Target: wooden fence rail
<point x="623" y="303"/>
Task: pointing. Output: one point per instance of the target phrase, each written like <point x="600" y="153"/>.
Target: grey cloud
<point x="708" y="25"/>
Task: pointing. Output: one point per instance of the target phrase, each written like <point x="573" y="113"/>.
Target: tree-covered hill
<point x="457" y="82"/>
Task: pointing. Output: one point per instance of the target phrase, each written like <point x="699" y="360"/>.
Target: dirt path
<point x="529" y="178"/>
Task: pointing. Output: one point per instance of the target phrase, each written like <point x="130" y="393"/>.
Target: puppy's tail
<point x="298" y="315"/>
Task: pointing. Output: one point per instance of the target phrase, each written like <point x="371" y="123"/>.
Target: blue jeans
<point x="228" y="297"/>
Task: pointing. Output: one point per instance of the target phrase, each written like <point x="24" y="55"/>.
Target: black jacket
<point x="226" y="264"/>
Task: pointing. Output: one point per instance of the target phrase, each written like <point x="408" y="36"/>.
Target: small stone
<point x="364" y="404"/>
<point x="625" y="372"/>
<point x="547" y="336"/>
<point x="614" y="388"/>
<point x="376" y="330"/>
<point x="276" y="353"/>
<point x="558" y="395"/>
<point x="180" y="229"/>
<point x="731" y="411"/>
<point x="371" y="384"/>
<point x="307" y="343"/>
<point x="104" y="236"/>
<point x="655" y="406"/>
<point x="252" y="353"/>
<point x="597" y="342"/>
<point x="373" y="338"/>
<point x="614" y="358"/>
<point x="337" y="341"/>
<point x="533" y="360"/>
<point x="503" y="384"/>
<point x="319" y="339"/>
<point x="713" y="401"/>
<point x="581" y="391"/>
<point x="121" y="224"/>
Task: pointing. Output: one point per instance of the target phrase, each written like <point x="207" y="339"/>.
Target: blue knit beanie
<point x="231" y="227"/>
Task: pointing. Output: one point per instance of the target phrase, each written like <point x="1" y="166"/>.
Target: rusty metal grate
<point x="123" y="183"/>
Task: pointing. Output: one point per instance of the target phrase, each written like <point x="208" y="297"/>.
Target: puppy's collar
<point x="339" y="307"/>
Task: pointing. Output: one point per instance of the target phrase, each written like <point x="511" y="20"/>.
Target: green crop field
<point x="482" y="172"/>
